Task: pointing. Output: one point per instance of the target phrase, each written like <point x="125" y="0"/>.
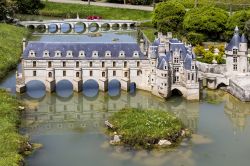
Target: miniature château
<point x="166" y="65"/>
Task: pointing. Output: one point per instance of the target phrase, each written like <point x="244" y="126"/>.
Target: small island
<point x="145" y="128"/>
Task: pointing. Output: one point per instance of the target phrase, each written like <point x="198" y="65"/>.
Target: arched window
<point x="125" y="74"/>
<point x="114" y="64"/>
<point x="50" y="74"/>
<point x="58" y="54"/>
<point x="136" y="54"/>
<point x="95" y="54"/>
<point x="103" y="74"/>
<point x="108" y="54"/>
<point x="138" y="64"/>
<point x="81" y="54"/>
<point x="77" y="74"/>
<point x="121" y="54"/>
<point x="69" y="54"/>
<point x="46" y="53"/>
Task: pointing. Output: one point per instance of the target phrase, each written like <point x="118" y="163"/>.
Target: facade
<point x="237" y="54"/>
<point x="166" y="65"/>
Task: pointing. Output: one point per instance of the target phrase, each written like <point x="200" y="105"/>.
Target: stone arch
<point x="105" y="27"/>
<point x="221" y="85"/>
<point x="80" y="27"/>
<point x="31" y="28"/>
<point x="35" y="89"/>
<point x="64" y="88"/>
<point x="66" y="28"/>
<point x="41" y="28"/>
<point x="124" y="26"/>
<point x="115" y="26"/>
<point x="53" y="28"/>
<point x="94" y="27"/>
<point x="132" y="26"/>
<point x="177" y="92"/>
<point x="114" y="87"/>
<point x="132" y="88"/>
<point x="90" y="88"/>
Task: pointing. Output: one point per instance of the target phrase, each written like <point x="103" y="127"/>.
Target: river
<point x="71" y="126"/>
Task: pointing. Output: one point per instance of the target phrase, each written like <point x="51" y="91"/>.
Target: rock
<point x="109" y="125"/>
<point x="21" y="107"/>
<point x="116" y="139"/>
<point x="164" y="142"/>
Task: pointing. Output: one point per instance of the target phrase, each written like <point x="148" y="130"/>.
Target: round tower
<point x="243" y="43"/>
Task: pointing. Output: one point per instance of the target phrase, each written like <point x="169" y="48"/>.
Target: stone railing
<point x="211" y="68"/>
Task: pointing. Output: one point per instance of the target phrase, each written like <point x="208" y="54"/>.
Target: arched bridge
<point x="78" y="25"/>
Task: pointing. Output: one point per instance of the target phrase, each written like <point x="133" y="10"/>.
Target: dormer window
<point x="32" y="53"/>
<point x="108" y="54"/>
<point x="136" y="54"/>
<point x="193" y="67"/>
<point x="46" y="53"/>
<point x="69" y="54"/>
<point x="81" y="54"/>
<point x="121" y="54"/>
<point x="235" y="51"/>
<point x="95" y="54"/>
<point x="58" y="54"/>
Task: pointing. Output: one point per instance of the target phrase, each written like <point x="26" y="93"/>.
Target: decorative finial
<point x="236" y="30"/>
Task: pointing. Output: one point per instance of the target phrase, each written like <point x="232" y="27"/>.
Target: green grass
<point x="10" y="47"/>
<point x="71" y="10"/>
<point x="149" y="33"/>
<point x="143" y="127"/>
<point x="10" y="140"/>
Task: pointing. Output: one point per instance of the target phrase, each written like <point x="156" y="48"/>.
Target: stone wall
<point x="237" y="91"/>
<point x="211" y="68"/>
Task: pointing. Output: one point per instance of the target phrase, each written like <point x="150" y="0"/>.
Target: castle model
<point x="165" y="66"/>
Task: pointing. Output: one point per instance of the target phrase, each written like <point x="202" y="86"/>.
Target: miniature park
<point x="115" y="82"/>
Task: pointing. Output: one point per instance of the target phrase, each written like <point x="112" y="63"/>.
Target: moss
<point x="144" y="128"/>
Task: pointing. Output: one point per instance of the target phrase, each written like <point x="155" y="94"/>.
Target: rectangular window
<point x="64" y="73"/>
<point x="138" y="64"/>
<point x="34" y="73"/>
<point x="49" y="64"/>
<point x="176" y="60"/>
<point x="188" y="76"/>
<point x="90" y="64"/>
<point x="235" y="67"/>
<point x="138" y="72"/>
<point x="235" y="51"/>
<point x="125" y="64"/>
<point x="114" y="64"/>
<point x="234" y="59"/>
<point x="64" y="64"/>
<point x="103" y="64"/>
<point x="103" y="74"/>
<point x="176" y="69"/>
<point x="34" y="63"/>
<point x="77" y="64"/>
<point x="192" y="76"/>
<point x="114" y="73"/>
<point x="90" y="73"/>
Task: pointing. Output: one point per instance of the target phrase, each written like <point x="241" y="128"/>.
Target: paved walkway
<point x="114" y="5"/>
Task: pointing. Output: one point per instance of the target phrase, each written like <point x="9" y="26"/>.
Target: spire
<point x="236" y="30"/>
<point x="243" y="38"/>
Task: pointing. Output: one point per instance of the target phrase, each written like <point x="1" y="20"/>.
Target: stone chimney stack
<point x="24" y="43"/>
<point x="142" y="45"/>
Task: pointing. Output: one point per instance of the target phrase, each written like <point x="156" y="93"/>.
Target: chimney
<point x="24" y="44"/>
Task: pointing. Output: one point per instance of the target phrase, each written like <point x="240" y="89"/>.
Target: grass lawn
<point x="71" y="10"/>
<point x="150" y="33"/>
<point x="139" y="127"/>
<point x="10" y="47"/>
<point x="11" y="142"/>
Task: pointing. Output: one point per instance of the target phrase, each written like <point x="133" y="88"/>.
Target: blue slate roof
<point x="236" y="40"/>
<point x="88" y="48"/>
<point x="175" y="45"/>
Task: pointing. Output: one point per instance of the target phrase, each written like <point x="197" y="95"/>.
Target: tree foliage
<point x="7" y="9"/>
<point x="209" y="20"/>
<point x="168" y="16"/>
<point x="29" y="6"/>
<point x="196" y="38"/>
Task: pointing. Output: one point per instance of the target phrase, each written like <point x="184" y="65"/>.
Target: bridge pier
<point x="125" y="84"/>
<point x="103" y="84"/>
<point x="77" y="85"/>
<point x="21" y="88"/>
<point x="50" y="85"/>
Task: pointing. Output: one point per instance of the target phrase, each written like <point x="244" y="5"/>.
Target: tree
<point x="7" y="9"/>
<point x="239" y="19"/>
<point x="29" y="6"/>
<point x="206" y="20"/>
<point x="196" y="38"/>
<point x="168" y="16"/>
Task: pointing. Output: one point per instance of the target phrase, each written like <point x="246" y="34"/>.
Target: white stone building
<point x="165" y="66"/>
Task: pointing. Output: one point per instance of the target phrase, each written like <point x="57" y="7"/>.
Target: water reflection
<point x="35" y="89"/>
<point x="64" y="88"/>
<point x="90" y="88"/>
<point x="114" y="88"/>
